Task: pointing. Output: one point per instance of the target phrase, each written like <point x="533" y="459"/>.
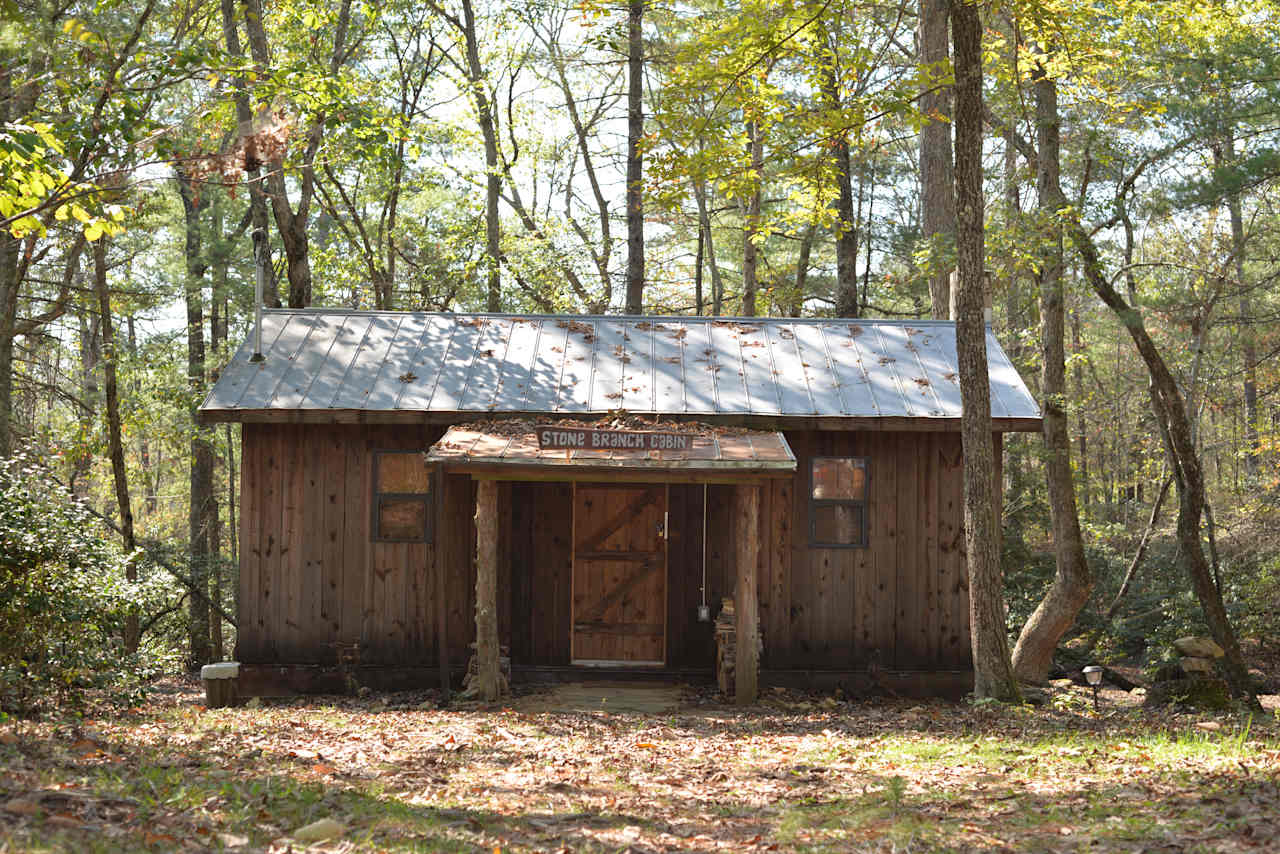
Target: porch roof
<point x="709" y="453"/>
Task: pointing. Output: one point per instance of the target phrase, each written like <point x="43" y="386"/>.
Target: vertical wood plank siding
<point x="311" y="576"/>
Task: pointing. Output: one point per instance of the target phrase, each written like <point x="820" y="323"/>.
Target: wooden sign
<point x="555" y="438"/>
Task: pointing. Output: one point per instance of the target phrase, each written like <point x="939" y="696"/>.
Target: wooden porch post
<point x="488" y="678"/>
<point x="747" y="531"/>
<point x="442" y="562"/>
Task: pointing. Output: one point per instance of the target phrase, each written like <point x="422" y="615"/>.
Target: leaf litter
<point x="794" y="772"/>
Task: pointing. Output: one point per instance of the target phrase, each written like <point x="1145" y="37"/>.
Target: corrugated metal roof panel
<point x="415" y="362"/>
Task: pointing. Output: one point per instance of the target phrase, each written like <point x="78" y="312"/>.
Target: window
<point x="402" y="497"/>
<point x="838" y="502"/>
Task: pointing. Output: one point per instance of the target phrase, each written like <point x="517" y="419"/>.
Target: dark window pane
<point x="837" y="524"/>
<point x="402" y="519"/>
<point x="840" y="478"/>
<point x="405" y="473"/>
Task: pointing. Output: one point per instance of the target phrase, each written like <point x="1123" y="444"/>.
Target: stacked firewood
<point x="726" y="646"/>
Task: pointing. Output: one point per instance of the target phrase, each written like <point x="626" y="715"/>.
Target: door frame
<point x="573" y="577"/>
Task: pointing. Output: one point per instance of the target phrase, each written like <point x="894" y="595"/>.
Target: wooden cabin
<point x="815" y="480"/>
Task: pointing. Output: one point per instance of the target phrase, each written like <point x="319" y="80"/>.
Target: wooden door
<point x="619" y="574"/>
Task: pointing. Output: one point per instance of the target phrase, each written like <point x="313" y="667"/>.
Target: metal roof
<point x="343" y="365"/>
<point x="754" y="451"/>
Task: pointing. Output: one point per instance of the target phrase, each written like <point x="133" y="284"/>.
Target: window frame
<point x="864" y="504"/>
<point x="426" y="499"/>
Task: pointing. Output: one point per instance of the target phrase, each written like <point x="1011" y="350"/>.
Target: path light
<point x="1093" y="675"/>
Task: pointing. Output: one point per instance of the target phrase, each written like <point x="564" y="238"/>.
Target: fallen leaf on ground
<point x="318" y="831"/>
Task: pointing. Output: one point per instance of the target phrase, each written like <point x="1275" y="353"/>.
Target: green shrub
<point x="63" y="597"/>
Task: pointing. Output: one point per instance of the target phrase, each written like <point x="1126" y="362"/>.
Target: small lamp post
<point x="1093" y="675"/>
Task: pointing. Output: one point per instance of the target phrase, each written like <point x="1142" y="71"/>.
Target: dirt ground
<point x="551" y="772"/>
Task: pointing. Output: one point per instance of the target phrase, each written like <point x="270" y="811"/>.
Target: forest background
<point x="781" y="158"/>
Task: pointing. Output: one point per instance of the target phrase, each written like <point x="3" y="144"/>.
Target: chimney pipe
<point x="987" y="313"/>
<point x="260" y="266"/>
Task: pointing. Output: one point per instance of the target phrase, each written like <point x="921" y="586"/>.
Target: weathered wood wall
<point x="902" y="602"/>
<point x="311" y="575"/>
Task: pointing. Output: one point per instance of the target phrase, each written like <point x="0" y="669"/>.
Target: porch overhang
<point x="510" y="452"/>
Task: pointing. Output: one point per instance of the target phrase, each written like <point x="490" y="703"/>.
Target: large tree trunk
<point x="937" y="191"/>
<point x="1072" y="582"/>
<point x="201" y="452"/>
<point x="635" y="165"/>
<point x="993" y="670"/>
<point x="118" y="471"/>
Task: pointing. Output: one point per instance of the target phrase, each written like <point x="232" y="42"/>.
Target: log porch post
<point x="747" y="531"/>
<point x="488" y="678"/>
<point x="441" y="588"/>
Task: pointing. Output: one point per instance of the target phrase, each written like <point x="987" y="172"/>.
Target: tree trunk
<point x="9" y="285"/>
<point x="15" y="103"/>
<point x="993" y="670"/>
<point x="1073" y="581"/>
<point x="1082" y="426"/>
<point x="635" y="165"/>
<point x="704" y="224"/>
<point x="698" y="255"/>
<point x="118" y="471"/>
<point x="252" y="161"/>
<point x="297" y="248"/>
<point x="1171" y="416"/>
<point x="493" y="172"/>
<point x="1188" y="477"/>
<point x="796" y="305"/>
<point x="1012" y="213"/>
<point x="218" y="320"/>
<point x="750" y="253"/>
<point x="291" y="221"/>
<point x="487" y="682"/>
<point x="1248" y="347"/>
<point x="846" y="295"/>
<point x="90" y="361"/>
<point x="937" y="190"/>
<point x="201" y="453"/>
<point x="151" y="498"/>
<point x="1132" y="571"/>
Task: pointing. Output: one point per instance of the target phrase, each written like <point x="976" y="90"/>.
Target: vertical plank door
<point x="619" y="574"/>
